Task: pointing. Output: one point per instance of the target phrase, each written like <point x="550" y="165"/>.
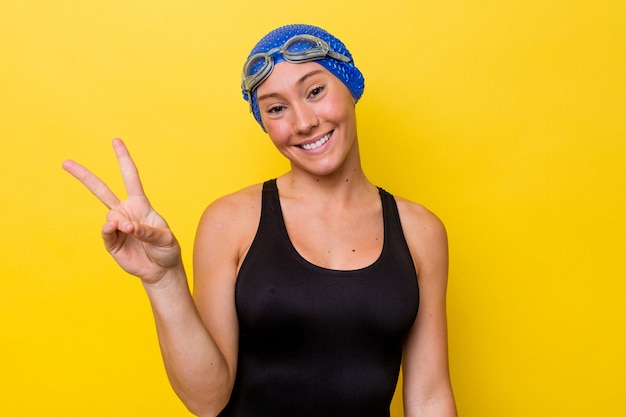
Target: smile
<point x="317" y="143"/>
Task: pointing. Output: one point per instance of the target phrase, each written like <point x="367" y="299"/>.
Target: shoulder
<point x="232" y="220"/>
<point x="418" y="219"/>
<point x="234" y="205"/>
<point x="424" y="232"/>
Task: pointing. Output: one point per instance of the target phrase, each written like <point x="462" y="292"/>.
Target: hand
<point x="135" y="235"/>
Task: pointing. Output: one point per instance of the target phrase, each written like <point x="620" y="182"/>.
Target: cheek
<point x="277" y="130"/>
<point x="340" y="112"/>
<point x="340" y="106"/>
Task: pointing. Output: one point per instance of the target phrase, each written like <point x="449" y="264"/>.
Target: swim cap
<point x="346" y="72"/>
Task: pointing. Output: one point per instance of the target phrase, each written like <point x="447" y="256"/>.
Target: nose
<point x="305" y="118"/>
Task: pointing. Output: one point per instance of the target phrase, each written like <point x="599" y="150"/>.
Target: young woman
<point x="310" y="289"/>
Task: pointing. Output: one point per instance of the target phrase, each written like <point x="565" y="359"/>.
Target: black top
<point x="315" y="341"/>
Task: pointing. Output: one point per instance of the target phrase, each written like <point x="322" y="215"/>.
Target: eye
<point x="276" y="109"/>
<point x="316" y="91"/>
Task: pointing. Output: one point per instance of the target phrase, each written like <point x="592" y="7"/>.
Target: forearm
<point x="197" y="370"/>
<point x="440" y="406"/>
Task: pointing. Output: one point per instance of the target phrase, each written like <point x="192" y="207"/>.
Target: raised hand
<point x="135" y="235"/>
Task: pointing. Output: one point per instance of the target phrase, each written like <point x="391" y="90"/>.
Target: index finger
<point x="93" y="183"/>
<point x="130" y="175"/>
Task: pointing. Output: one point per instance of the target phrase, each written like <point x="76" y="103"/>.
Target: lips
<point x="314" y="145"/>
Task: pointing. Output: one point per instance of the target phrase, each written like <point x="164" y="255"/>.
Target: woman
<point x="310" y="289"/>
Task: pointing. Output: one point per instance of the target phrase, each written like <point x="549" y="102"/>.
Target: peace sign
<point x="137" y="237"/>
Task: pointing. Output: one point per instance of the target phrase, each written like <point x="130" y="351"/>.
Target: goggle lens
<point x="299" y="49"/>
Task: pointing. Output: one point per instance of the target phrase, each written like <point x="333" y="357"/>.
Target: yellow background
<point x="506" y="118"/>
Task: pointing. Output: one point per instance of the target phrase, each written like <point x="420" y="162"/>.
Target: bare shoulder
<point x="418" y="219"/>
<point x="230" y="222"/>
<point x="234" y="207"/>
<point x="424" y="232"/>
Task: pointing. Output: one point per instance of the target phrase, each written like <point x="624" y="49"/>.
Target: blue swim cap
<point x="346" y="72"/>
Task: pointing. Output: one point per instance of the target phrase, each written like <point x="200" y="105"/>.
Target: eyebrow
<point x="299" y="82"/>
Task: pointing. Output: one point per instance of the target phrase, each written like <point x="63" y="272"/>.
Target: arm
<point x="427" y="389"/>
<point x="140" y="241"/>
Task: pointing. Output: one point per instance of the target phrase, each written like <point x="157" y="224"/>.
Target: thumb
<point x="158" y="236"/>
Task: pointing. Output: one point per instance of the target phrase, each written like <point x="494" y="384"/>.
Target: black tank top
<point x="315" y="341"/>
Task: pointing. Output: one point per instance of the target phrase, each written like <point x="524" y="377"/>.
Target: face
<point x="309" y="115"/>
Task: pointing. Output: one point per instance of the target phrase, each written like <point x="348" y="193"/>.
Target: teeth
<point x="317" y="144"/>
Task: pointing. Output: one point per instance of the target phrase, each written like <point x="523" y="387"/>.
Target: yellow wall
<point x="507" y="118"/>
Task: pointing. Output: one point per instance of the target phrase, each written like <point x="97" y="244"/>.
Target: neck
<point x="339" y="189"/>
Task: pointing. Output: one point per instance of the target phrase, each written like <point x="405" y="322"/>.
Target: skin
<point x="333" y="216"/>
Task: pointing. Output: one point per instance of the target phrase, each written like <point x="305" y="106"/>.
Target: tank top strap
<point x="270" y="185"/>
<point x="271" y="214"/>
<point x="394" y="235"/>
<point x="271" y="223"/>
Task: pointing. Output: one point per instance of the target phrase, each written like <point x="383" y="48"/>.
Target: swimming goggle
<point x="298" y="49"/>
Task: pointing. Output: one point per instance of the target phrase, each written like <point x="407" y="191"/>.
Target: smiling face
<point x="309" y="116"/>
